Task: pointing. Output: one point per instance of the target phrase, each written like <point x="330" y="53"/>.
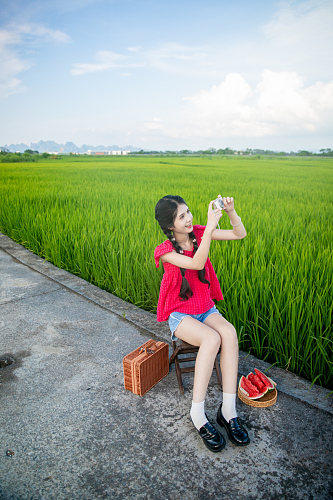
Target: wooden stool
<point x="181" y="348"/>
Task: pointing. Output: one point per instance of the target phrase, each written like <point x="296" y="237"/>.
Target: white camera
<point x="218" y="203"/>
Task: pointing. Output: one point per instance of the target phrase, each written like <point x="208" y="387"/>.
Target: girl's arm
<point x="199" y="260"/>
<point x="238" y="232"/>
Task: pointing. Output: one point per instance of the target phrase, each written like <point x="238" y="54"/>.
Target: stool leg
<point x="175" y="350"/>
<point x="173" y="355"/>
<point x="179" y="376"/>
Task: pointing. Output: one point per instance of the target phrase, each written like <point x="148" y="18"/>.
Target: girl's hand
<point x="228" y="204"/>
<point x="214" y="215"/>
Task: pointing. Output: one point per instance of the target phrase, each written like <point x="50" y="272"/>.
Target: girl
<point x="188" y="288"/>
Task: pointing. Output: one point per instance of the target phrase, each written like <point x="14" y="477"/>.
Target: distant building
<point x="107" y="153"/>
<point x="119" y="152"/>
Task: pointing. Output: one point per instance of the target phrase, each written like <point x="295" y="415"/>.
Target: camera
<point x="218" y="203"/>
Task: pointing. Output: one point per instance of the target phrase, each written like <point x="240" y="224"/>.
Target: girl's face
<point x="183" y="220"/>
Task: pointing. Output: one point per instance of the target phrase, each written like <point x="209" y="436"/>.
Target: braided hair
<point x="165" y="214"/>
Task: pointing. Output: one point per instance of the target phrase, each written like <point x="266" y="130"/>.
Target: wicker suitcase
<point x="145" y="366"/>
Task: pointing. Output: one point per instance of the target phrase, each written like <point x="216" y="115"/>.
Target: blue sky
<point x="168" y="74"/>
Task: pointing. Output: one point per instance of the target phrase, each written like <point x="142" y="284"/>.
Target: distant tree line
<point x="33" y="156"/>
<point x="229" y="151"/>
<point x="28" y="155"/>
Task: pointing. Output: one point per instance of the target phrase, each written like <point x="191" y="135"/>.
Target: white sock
<point x="198" y="414"/>
<point x="229" y="406"/>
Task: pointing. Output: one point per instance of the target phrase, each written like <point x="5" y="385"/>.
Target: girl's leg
<point x="209" y="341"/>
<point x="229" y="362"/>
<point x="229" y="351"/>
<point x="227" y="413"/>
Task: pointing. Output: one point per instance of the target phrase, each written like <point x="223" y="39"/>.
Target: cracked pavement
<point x="74" y="432"/>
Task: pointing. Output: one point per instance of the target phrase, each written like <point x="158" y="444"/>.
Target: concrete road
<point x="69" y="429"/>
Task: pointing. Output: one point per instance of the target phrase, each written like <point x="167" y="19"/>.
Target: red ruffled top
<point x="202" y="299"/>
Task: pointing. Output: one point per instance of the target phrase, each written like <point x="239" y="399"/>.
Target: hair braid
<point x="202" y="272"/>
<point x="185" y="289"/>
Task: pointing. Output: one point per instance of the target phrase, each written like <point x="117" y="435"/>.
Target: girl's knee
<point x="229" y="334"/>
<point x="212" y="340"/>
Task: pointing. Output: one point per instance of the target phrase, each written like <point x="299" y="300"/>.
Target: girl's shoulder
<point x="161" y="249"/>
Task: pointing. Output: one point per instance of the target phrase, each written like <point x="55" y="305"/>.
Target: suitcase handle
<point x="147" y="350"/>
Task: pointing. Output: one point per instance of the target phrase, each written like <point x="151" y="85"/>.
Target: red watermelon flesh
<point x="255" y="380"/>
<point x="269" y="383"/>
<point x="248" y="389"/>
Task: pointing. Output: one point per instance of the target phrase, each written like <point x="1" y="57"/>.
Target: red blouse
<point x="203" y="295"/>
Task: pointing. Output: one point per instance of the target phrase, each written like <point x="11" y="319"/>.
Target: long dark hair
<point x="165" y="214"/>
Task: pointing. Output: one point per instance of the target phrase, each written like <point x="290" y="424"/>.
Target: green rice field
<point x="95" y="218"/>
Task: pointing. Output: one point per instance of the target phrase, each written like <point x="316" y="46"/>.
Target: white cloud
<point x="40" y="31"/>
<point x="178" y="58"/>
<point x="153" y="125"/>
<point x="280" y="104"/>
<point x="301" y="23"/>
<point x="105" y="60"/>
<point x="282" y="101"/>
<point x="300" y="37"/>
<point x="137" y="48"/>
<point x="168" y="57"/>
<point x="297" y="38"/>
<point x="11" y="64"/>
<point x="13" y="40"/>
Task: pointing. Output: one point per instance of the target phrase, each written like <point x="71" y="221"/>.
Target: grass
<point x="95" y="218"/>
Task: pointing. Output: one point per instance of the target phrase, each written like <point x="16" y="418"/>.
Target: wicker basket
<point x="146" y="366"/>
<point x="269" y="399"/>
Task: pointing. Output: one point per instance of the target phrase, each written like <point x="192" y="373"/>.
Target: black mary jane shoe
<point x="236" y="432"/>
<point x="211" y="437"/>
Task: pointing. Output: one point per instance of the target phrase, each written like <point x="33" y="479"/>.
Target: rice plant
<point x="95" y="218"/>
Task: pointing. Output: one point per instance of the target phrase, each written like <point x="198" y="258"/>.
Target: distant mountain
<point x="68" y="147"/>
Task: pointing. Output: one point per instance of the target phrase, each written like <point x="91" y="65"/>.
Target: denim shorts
<point x="176" y="317"/>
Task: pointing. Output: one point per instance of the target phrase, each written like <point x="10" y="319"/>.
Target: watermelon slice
<point x="256" y="381"/>
<point x="269" y="383"/>
<point x="248" y="389"/>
